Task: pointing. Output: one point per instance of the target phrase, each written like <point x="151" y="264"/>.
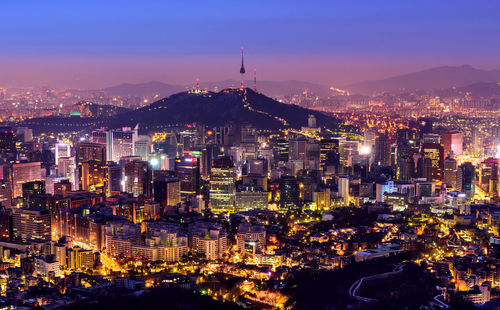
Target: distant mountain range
<point x="431" y="79"/>
<point x="270" y="88"/>
<point x="210" y="108"/>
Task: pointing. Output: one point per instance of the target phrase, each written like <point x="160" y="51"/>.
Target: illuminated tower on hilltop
<point x="242" y="70"/>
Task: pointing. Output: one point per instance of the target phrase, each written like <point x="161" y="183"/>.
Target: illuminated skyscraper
<point x="383" y="151"/>
<point x="61" y="150"/>
<point x="289" y="193"/>
<point x="435" y="152"/>
<point x="222" y="185"/>
<point x="452" y="141"/>
<point x="138" y="178"/>
<point x="466" y="179"/>
<point x="22" y="173"/>
<point x="8" y="150"/>
<point x="187" y="169"/>
<point x="90" y="151"/>
<point x="121" y="143"/>
<point x="167" y="191"/>
<point x="450" y="172"/>
<point x="94" y="176"/>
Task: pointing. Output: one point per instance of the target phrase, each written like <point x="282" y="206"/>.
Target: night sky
<point x="101" y="43"/>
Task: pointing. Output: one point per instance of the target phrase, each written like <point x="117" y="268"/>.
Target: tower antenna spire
<point x="255" y="79"/>
<point x="242" y="71"/>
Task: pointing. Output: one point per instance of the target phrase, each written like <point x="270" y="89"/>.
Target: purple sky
<point x="93" y="44"/>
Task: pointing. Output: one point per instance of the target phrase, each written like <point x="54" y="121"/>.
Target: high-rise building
<point x="187" y="169"/>
<point x="343" y="189"/>
<point x="250" y="197"/>
<point x="90" y="151"/>
<point x="114" y="177"/>
<point x="450" y="172"/>
<point x="8" y="151"/>
<point x="222" y="185"/>
<point x="452" y="141"/>
<point x="424" y="168"/>
<point x="22" y="173"/>
<point x="466" y="179"/>
<point x="383" y="151"/>
<point x="31" y="224"/>
<point x="435" y="152"/>
<point x="406" y="168"/>
<point x="329" y="152"/>
<point x="94" y="176"/>
<point x="138" y="178"/>
<point x="289" y="193"/>
<point x="61" y="150"/>
<point x="167" y="191"/>
<point x="282" y="150"/>
<point x="66" y="168"/>
<point x="5" y="194"/>
<point x="369" y="138"/>
<point x="121" y="143"/>
<point x="297" y="149"/>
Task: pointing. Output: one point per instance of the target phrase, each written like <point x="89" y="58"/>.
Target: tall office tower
<point x="93" y="176"/>
<point x="488" y="175"/>
<point x="297" y="149"/>
<point x="348" y="150"/>
<point x="22" y="173"/>
<point x="452" y="141"/>
<point x="31" y="224"/>
<point x="383" y="151"/>
<point x="90" y="151"/>
<point x="312" y="156"/>
<point x="406" y="168"/>
<point x="476" y="143"/>
<point x="5" y="194"/>
<point x="138" y="178"/>
<point x="208" y="154"/>
<point x="66" y="168"/>
<point x="115" y="175"/>
<point x="248" y="134"/>
<point x="167" y="191"/>
<point x="282" y="148"/>
<point x="435" y="152"/>
<point x="450" y="172"/>
<point x="289" y="193"/>
<point x="466" y="179"/>
<point x="343" y="189"/>
<point x="424" y="168"/>
<point x="187" y="169"/>
<point x="8" y="151"/>
<point x="121" y="143"/>
<point x="222" y="185"/>
<point x="328" y="153"/>
<point x="142" y="147"/>
<point x="61" y="150"/>
<point x="311" y="121"/>
<point x="369" y="138"/>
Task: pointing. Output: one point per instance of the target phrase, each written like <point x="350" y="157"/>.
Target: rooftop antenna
<point x="197" y="83"/>
<point x="242" y="71"/>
